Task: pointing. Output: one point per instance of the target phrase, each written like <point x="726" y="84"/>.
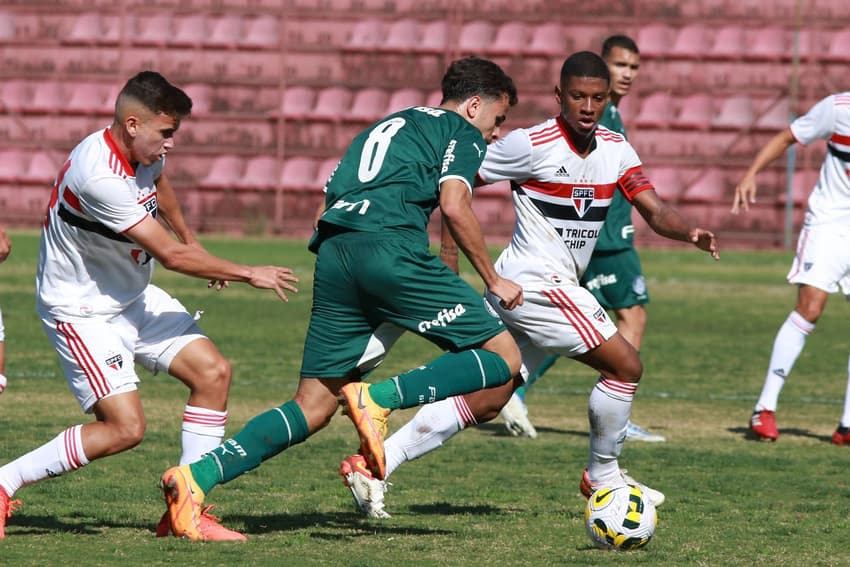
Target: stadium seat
<point x="190" y="30"/>
<point x="261" y="172"/>
<point x="332" y="103"/>
<point x="667" y="182"/>
<point x="299" y="173"/>
<point x="7" y="27"/>
<point x="297" y="102"/>
<point x="224" y="32"/>
<point x="656" y="111"/>
<point x="13" y="163"/>
<point x="404" y="98"/>
<point x="202" y="98"/>
<point x="696" y="112"/>
<point x="155" y="30"/>
<point x="584" y="37"/>
<point x="87" y="29"/>
<point x="476" y="37"/>
<point x="802" y="185"/>
<point x="510" y="39"/>
<point x="769" y="43"/>
<point x="736" y="112"/>
<point x="366" y="35"/>
<point x="776" y="116"/>
<point x="402" y="36"/>
<point x="48" y="97"/>
<point x="548" y="40"/>
<point x="325" y="169"/>
<point x="225" y="172"/>
<point x="435" y="37"/>
<point x="261" y="32"/>
<point x="41" y="170"/>
<point x="710" y="188"/>
<point x="655" y="40"/>
<point x="838" y="47"/>
<point x="367" y="105"/>
<point x="89" y="98"/>
<point x="729" y="43"/>
<point x="692" y="42"/>
<point x="15" y="94"/>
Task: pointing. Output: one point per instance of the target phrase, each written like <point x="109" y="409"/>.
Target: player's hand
<point x="275" y="278"/>
<point x="218" y="284"/>
<point x="705" y="240"/>
<point x="5" y="245"/>
<point x="508" y="292"/>
<point x="745" y="193"/>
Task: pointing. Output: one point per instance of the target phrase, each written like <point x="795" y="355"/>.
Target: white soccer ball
<point x="620" y="517"/>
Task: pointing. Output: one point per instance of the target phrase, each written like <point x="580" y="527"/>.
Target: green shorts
<point x="363" y="280"/>
<point x="616" y="280"/>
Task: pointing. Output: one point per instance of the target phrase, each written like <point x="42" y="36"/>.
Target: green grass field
<point x="485" y="498"/>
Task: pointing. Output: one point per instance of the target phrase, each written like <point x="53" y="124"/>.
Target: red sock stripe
<point x="462" y="409"/>
<point x="628" y="388"/>
<point x="216" y="419"/>
<point x="84" y="359"/>
<point x="588" y="333"/>
<point x="71" y="449"/>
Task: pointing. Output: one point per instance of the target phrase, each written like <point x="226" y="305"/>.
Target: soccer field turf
<point x="485" y="498"/>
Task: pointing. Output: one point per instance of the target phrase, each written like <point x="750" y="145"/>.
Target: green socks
<point x="263" y="437"/>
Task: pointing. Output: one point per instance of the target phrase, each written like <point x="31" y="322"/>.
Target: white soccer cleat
<point x="515" y="416"/>
<point x="637" y="433"/>
<point x="367" y="491"/>
<point x="587" y="488"/>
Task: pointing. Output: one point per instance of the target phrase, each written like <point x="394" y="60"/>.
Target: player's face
<point x="490" y="115"/>
<point x="154" y="137"/>
<point x="582" y="101"/>
<point x="623" y="65"/>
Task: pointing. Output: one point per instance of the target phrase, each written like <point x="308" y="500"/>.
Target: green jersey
<point x="389" y="178"/>
<point x="619" y="216"/>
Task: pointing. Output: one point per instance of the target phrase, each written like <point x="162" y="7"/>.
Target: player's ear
<point x="132" y="124"/>
<point x="558" y="94"/>
<point x="471" y="107"/>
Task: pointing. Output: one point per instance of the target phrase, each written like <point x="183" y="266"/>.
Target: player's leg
<point x="3" y="379"/>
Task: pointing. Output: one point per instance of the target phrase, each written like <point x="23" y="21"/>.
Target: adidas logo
<point x="562" y="172"/>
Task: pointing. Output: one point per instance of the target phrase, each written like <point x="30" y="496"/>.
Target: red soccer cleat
<point x="763" y="424"/>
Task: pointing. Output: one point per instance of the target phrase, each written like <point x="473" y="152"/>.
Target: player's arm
<point x="666" y="221"/>
<point x="745" y="191"/>
<point x="449" y="253"/>
<point x="195" y="261"/>
<point x="168" y="209"/>
<point x="5" y="245"/>
<point x="463" y="226"/>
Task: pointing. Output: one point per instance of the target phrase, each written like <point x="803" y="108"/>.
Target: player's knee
<point x="217" y="375"/>
<point x="128" y="434"/>
<point x="632" y="370"/>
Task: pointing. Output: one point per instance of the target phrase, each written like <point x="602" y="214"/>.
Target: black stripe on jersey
<point x="635" y="182"/>
<point x="91" y="226"/>
<point x="843" y="156"/>
<point x="565" y="212"/>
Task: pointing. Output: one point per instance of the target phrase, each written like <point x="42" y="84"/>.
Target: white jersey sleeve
<point x="508" y="159"/>
<point x="109" y="201"/>
<point x="817" y="124"/>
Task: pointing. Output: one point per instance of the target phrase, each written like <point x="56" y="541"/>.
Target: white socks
<point x="786" y="348"/>
<point x="203" y="430"/>
<point x="608" y="410"/>
<point x="63" y="454"/>
<point x="845" y="417"/>
<point x="432" y="426"/>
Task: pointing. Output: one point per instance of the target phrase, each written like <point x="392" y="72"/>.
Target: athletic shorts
<point x="98" y="356"/>
<point x="822" y="259"/>
<point x="368" y="287"/>
<point x="557" y="320"/>
<point x="615" y="279"/>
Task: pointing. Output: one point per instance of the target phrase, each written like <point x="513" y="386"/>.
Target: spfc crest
<point x="582" y="199"/>
<point x="115" y="362"/>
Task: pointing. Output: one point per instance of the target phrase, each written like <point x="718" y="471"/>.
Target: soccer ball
<point x="620" y="517"/>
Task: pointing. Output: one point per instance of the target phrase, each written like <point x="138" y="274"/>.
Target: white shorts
<point x="561" y="320"/>
<point x="98" y="356"/>
<point x="822" y="260"/>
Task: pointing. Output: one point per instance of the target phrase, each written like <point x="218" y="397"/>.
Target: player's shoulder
<point x="543" y="133"/>
<point x="610" y="136"/>
<point x="98" y="157"/>
<point x="841" y="99"/>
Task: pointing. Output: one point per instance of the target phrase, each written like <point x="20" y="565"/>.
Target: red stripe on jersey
<point x="600" y="191"/>
<point x="463" y="411"/>
<point x="842" y="100"/>
<point x="545" y="133"/>
<point x="609" y="135"/>
<point x="71" y="199"/>
<point x="633" y="182"/>
<point x="116" y="159"/>
<point x="587" y="332"/>
<point x="840" y="139"/>
<point x="204" y="418"/>
<point x="84" y="359"/>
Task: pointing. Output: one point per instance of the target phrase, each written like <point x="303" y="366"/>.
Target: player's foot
<point x="367" y="491"/>
<point x="763" y="424"/>
<point x="188" y="520"/>
<point x="210" y="526"/>
<point x="163" y="528"/>
<point x="370" y="419"/>
<point x="515" y="415"/>
<point x="841" y="436"/>
<point x="7" y="506"/>
<point x="637" y="433"/>
<point x="656" y="496"/>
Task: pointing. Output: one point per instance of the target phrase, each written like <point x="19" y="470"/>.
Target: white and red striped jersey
<point x="829" y="119"/>
<point x="86" y="266"/>
<point x="560" y="198"/>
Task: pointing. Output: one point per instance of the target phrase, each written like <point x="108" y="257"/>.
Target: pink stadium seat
<point x="801" y="187"/>
<point x="299" y="173"/>
<point x="48" y="97"/>
<point x="476" y="37"/>
<point x="261" y="172"/>
<point x="225" y="32"/>
<point x="404" y="98"/>
<point x="190" y="30"/>
<point x="729" y="43"/>
<point x="7" y="27"/>
<point x="667" y="182"/>
<point x="89" y="98"/>
<point x="769" y="42"/>
<point x="87" y="29"/>
<point x="42" y="169"/>
<point x="13" y="163"/>
<point x="692" y="42"/>
<point x="511" y="38"/>
<point x="402" y="36"/>
<point x="435" y="37"/>
<point x="366" y="35"/>
<point x="776" y="117"/>
<point x="224" y="173"/>
<point x="736" y="112"/>
<point x="332" y="103"/>
<point x="709" y="188"/>
<point x="325" y="169"/>
<point x="262" y="32"/>
<point x="548" y="39"/>
<point x="434" y="98"/>
<point x="584" y="37"/>
<point x="696" y="112"/>
<point x="297" y="102"/>
<point x="202" y="98"/>
<point x="368" y="105"/>
<point x="838" y="47"/>
<point x="656" y="110"/>
<point x="156" y="29"/>
<point x="655" y="40"/>
<point x="15" y="95"/>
